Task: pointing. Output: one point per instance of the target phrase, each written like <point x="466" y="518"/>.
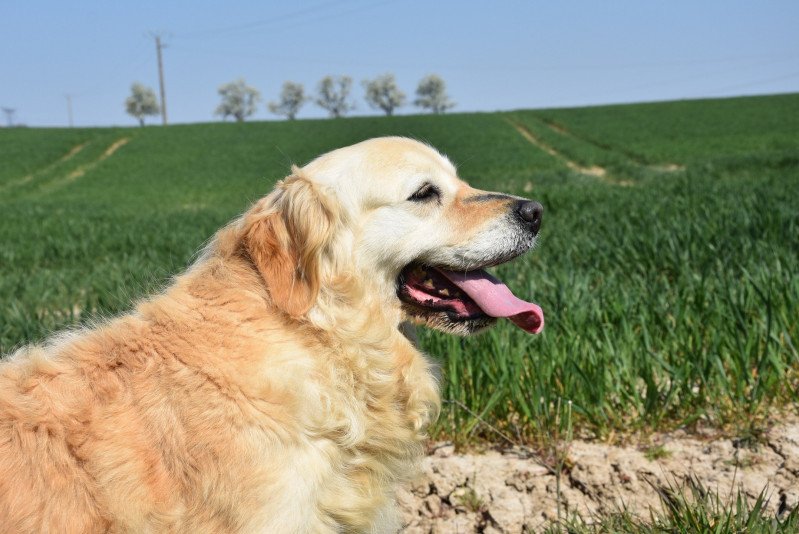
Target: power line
<point x="123" y="69"/>
<point x="695" y="77"/>
<point x="758" y="82"/>
<point x="251" y="25"/>
<point x="267" y="22"/>
<point x="703" y="79"/>
<point x="563" y="67"/>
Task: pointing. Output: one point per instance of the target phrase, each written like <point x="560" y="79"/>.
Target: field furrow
<point x="81" y="170"/>
<point x="594" y="170"/>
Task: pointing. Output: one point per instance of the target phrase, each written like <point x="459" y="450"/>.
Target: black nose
<point x="530" y="212"/>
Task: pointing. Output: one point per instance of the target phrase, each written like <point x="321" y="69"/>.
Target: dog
<point x="270" y="387"/>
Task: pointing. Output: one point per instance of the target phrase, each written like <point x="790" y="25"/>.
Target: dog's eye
<point x="425" y="193"/>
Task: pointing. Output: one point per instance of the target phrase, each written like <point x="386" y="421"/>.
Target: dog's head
<point x="393" y="214"/>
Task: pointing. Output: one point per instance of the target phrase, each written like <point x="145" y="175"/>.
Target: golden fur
<point x="269" y="389"/>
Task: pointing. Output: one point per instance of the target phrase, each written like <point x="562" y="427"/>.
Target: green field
<point x="668" y="273"/>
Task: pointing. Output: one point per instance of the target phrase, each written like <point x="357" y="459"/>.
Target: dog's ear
<point x="286" y="236"/>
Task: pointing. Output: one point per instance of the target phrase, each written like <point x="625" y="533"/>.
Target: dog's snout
<point x="530" y="213"/>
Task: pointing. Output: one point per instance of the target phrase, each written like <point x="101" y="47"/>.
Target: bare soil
<point x="512" y="492"/>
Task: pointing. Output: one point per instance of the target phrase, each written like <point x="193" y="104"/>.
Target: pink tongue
<point x="496" y="300"/>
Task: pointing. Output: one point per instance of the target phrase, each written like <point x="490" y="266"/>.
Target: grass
<point x="656" y="452"/>
<point x="470" y="500"/>
<point x="688" y="510"/>
<point x="671" y="296"/>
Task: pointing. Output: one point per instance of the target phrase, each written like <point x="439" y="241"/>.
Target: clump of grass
<point x="690" y="510"/>
<point x="470" y="500"/>
<point x="656" y="452"/>
<point x="744" y="462"/>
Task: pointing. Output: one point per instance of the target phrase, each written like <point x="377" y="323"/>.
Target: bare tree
<point x="141" y="102"/>
<point x="432" y="94"/>
<point x="383" y="93"/>
<point x="334" y="92"/>
<point x="292" y="97"/>
<point x="238" y="100"/>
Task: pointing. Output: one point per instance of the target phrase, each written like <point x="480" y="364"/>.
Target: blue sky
<point x="492" y="54"/>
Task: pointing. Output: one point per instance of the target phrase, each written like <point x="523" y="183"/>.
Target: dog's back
<point x="201" y="411"/>
<point x="43" y="485"/>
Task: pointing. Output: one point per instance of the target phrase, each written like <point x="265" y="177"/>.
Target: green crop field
<point x="667" y="267"/>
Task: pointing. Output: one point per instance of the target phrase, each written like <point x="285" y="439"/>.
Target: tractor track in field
<point x="594" y="171"/>
<point x="49" y="167"/>
<point x="81" y="170"/>
<point x="516" y="491"/>
<point x="633" y="158"/>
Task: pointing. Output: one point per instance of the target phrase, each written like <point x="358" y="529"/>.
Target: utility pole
<point x="158" y="47"/>
<point x="69" y="108"/>
<point x="9" y="115"/>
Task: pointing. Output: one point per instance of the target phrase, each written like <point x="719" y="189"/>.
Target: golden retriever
<point x="270" y="387"/>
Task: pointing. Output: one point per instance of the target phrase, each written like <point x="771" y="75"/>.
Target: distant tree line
<point x="333" y="93"/>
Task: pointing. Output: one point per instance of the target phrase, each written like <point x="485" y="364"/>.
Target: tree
<point x="432" y="94"/>
<point x="383" y="93"/>
<point x="334" y="92"/>
<point x="238" y="100"/>
<point x="292" y="97"/>
<point x="141" y="102"/>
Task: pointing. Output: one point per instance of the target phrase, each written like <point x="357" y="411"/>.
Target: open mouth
<point x="470" y="299"/>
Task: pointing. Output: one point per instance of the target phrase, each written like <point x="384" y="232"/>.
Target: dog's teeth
<point x="444" y="292"/>
<point x="429" y="283"/>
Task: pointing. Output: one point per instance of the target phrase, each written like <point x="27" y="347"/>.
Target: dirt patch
<point x="667" y="167"/>
<point x="508" y="492"/>
<point x="557" y="128"/>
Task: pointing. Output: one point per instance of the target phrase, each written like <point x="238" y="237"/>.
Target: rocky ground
<point x="512" y="491"/>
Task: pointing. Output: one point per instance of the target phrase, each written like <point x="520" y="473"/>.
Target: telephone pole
<point x="9" y="115"/>
<point x="158" y="47"/>
<point x="69" y="108"/>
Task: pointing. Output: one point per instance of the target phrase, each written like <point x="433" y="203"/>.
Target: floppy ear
<point x="286" y="237"/>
